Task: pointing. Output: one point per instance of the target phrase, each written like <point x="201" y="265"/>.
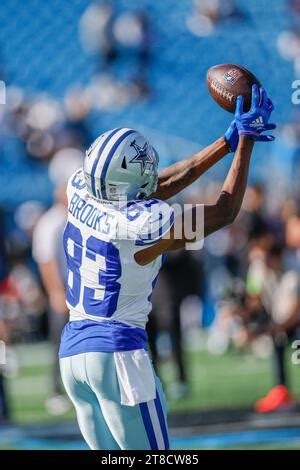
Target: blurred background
<point x="224" y="336"/>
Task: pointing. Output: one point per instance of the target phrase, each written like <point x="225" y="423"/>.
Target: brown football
<point x="227" y="81"/>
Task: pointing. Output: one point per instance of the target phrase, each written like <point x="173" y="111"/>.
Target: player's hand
<point x="256" y="120"/>
<point x="232" y="137"/>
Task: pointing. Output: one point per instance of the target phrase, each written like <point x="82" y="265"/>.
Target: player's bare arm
<point x="178" y="176"/>
<point x="227" y="207"/>
<point x="217" y="215"/>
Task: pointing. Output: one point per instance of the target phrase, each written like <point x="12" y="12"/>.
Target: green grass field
<point x="228" y="381"/>
<point x="231" y="380"/>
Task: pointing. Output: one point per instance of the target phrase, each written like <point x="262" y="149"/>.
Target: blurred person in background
<point x="47" y="250"/>
<point x="288" y="44"/>
<point x="96" y="32"/>
<point x="133" y="35"/>
<point x="109" y="36"/>
<point x="273" y="296"/>
<point x="77" y="107"/>
<point x="43" y="114"/>
<point x="208" y="13"/>
<point x="144" y="52"/>
<point x="254" y="215"/>
<point x="241" y="318"/>
<point x="33" y="119"/>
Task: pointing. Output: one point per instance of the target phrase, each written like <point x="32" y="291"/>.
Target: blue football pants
<point x="91" y="382"/>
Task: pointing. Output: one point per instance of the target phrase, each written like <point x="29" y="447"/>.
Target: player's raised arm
<point x="224" y="211"/>
<point x="178" y="176"/>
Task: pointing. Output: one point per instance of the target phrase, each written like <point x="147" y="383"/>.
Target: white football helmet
<point x="121" y="164"/>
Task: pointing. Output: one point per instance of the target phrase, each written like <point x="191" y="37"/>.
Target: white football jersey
<point x="104" y="282"/>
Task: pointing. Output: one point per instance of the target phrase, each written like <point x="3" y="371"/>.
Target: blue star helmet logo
<point x="142" y="156"/>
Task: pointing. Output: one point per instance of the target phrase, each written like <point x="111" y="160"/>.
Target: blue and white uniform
<point x="104" y="361"/>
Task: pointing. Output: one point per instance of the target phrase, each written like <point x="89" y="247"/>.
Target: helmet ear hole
<point x="124" y="164"/>
<point x="144" y="185"/>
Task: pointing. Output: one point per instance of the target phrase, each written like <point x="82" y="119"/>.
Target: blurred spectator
<point x="246" y="308"/>
<point x="288" y="43"/>
<point x="34" y="119"/>
<point x="108" y="94"/>
<point x="132" y="32"/>
<point x="275" y="290"/>
<point x="208" y="13"/>
<point x="110" y="36"/>
<point x="42" y="116"/>
<point x="144" y="53"/>
<point x="48" y="252"/>
<point x="77" y="107"/>
<point x="96" y="32"/>
<point x="293" y="237"/>
<point x="254" y="214"/>
<point x="21" y="298"/>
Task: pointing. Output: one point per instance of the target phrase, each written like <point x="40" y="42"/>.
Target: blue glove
<point x="232" y="137"/>
<point x="255" y="121"/>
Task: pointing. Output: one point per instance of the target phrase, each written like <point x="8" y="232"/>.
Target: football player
<point x="118" y="232"/>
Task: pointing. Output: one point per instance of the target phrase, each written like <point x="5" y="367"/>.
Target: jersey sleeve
<point x="159" y="219"/>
